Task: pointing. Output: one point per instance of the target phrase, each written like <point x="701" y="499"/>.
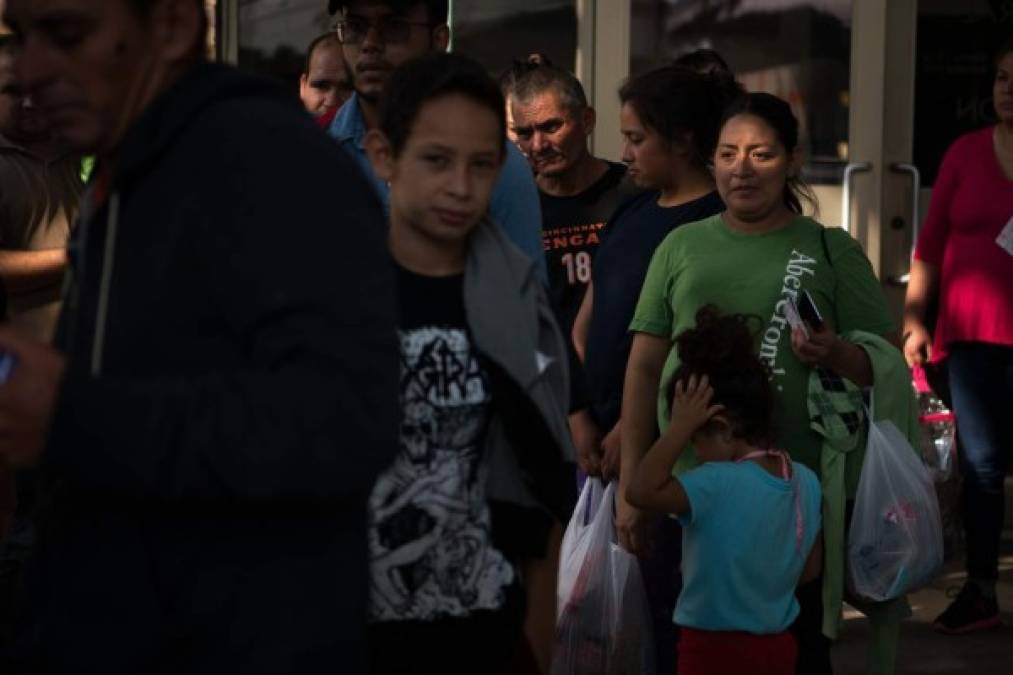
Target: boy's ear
<point x="380" y="153"/>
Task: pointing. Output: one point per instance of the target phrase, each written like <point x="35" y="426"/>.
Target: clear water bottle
<point x="939" y="429"/>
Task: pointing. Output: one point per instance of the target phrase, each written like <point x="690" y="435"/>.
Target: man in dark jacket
<point x="226" y="387"/>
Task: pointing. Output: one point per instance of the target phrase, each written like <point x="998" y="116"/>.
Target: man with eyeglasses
<point x="376" y="37"/>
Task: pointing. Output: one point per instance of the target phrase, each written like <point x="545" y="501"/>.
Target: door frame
<point x="881" y="132"/>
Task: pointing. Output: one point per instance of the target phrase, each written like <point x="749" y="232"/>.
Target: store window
<point x="496" y="32"/>
<point x="799" y="50"/>
<point x="274" y="34"/>
<point x="953" y="73"/>
<point x="211" y="7"/>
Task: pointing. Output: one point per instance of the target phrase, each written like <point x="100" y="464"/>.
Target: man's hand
<point x="26" y="272"/>
<point x="27" y="399"/>
<point x="611" y="455"/>
<point x="587" y="441"/>
<point x="633" y="527"/>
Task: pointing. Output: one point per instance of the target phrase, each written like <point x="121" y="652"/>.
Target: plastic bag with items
<point x="895" y="541"/>
<point x="603" y="627"/>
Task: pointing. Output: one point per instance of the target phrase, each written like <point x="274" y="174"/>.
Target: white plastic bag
<point x="895" y="542"/>
<point x="576" y="540"/>
<point x="604" y="622"/>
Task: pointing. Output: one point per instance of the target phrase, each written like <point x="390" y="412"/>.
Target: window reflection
<point x="274" y="34"/>
<point x="495" y="32"/>
<point x="953" y="73"/>
<point x="799" y="50"/>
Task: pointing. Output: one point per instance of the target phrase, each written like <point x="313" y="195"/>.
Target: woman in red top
<point x="964" y="259"/>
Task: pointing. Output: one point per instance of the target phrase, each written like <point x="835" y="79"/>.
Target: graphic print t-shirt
<point x="431" y="554"/>
<point x="571" y="230"/>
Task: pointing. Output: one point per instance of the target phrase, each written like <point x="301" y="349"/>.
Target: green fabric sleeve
<point x="893" y="400"/>
<point x="654" y="314"/>
<point x="859" y="303"/>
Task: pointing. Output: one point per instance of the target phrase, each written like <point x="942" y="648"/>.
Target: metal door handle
<point x="849" y="171"/>
<point x="916" y="188"/>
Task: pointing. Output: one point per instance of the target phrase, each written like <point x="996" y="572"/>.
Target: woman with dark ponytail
<point x="669" y="119"/>
<point x="751" y="516"/>
<point x="776" y="113"/>
<point x="758" y="257"/>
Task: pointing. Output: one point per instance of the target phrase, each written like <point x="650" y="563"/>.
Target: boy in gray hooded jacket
<point x="462" y="517"/>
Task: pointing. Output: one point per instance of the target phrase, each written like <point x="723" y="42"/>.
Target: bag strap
<point x="787" y="473"/>
<point x="830" y="264"/>
<point x="826" y="248"/>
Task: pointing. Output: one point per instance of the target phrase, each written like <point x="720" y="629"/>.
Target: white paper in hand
<point x="793" y="317"/>
<point x="1005" y="238"/>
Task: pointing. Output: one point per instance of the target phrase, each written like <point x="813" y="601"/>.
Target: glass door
<point x="880" y="90"/>
<point x="270" y="37"/>
<point x="800" y="50"/>
<point x="936" y="85"/>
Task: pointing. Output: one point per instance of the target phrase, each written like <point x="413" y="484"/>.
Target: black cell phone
<point x="808" y="311"/>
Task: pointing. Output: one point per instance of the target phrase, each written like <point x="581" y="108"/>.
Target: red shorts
<point x="703" y="652"/>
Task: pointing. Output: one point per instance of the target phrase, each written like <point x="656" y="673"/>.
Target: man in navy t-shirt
<point x="551" y="123"/>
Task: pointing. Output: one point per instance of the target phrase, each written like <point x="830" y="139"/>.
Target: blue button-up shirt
<point x="514" y="206"/>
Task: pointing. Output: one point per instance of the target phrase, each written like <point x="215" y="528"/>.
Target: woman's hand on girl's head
<point x="691" y="407"/>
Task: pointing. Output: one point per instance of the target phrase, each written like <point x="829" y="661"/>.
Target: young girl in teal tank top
<point x="751" y="516"/>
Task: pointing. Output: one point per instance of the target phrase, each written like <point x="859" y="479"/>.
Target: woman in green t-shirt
<point x="751" y="259"/>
